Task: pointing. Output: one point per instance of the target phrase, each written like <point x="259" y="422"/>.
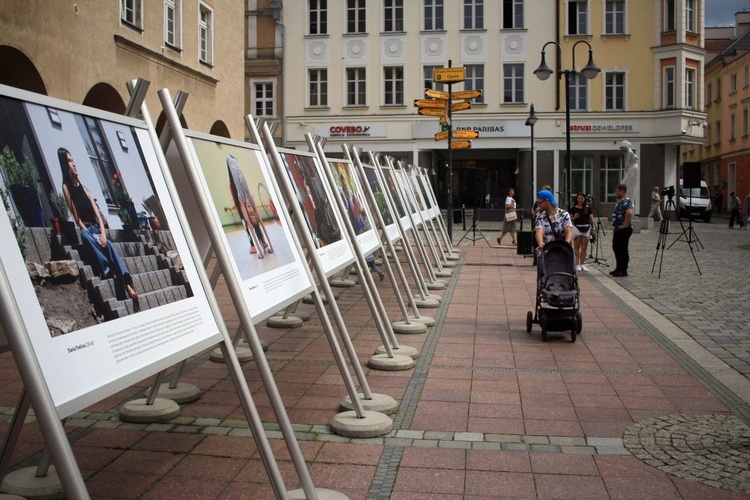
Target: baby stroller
<point x="557" y="293"/>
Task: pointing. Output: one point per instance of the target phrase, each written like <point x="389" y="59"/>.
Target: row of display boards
<point x="281" y="224"/>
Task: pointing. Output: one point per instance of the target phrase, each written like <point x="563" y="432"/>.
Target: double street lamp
<point x="543" y="72"/>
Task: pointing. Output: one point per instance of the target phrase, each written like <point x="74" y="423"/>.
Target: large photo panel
<point x="393" y="192"/>
<point x="95" y="252"/>
<point x="381" y="202"/>
<point x="256" y="233"/>
<point x="347" y="182"/>
<point x="317" y="205"/>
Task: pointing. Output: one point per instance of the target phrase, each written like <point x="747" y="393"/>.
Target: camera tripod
<point x="661" y="244"/>
<point x="473" y="230"/>
<point x="595" y="250"/>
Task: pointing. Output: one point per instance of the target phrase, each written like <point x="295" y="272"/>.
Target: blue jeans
<point x="108" y="260"/>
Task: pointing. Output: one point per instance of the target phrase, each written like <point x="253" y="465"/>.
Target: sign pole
<point x="450" y="159"/>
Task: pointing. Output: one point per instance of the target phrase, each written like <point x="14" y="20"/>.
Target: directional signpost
<point x="465" y="134"/>
<point x="440" y="103"/>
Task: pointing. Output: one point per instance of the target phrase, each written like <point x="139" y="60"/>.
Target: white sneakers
<point x="578" y="268"/>
<point x="582" y="268"/>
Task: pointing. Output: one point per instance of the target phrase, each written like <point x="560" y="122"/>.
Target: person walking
<point x="622" y="229"/>
<point x="509" y="224"/>
<point x="655" y="212"/>
<point x="735" y="206"/>
<point x="583" y="228"/>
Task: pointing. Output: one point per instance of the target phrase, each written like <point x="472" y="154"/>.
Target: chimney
<point x="741" y="23"/>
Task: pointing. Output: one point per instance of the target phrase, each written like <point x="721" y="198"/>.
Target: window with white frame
<point x="578" y="99"/>
<point x="428" y="73"/>
<point x="732" y="127"/>
<point x="513" y="14"/>
<point x="690" y="15"/>
<point x="581" y="173"/>
<point x="733" y="83"/>
<point x="318" y="17"/>
<point x="578" y="17"/>
<point x="475" y="80"/>
<point x="356" y="82"/>
<point x="610" y="172"/>
<point x="745" y="124"/>
<point x="393" y="86"/>
<point x="690" y="88"/>
<point x="131" y="12"/>
<point x="513" y="83"/>
<point x="747" y="76"/>
<point x="614" y="17"/>
<point x="173" y="23"/>
<point x="669" y="87"/>
<point x="669" y="15"/>
<point x="205" y="34"/>
<point x="614" y="91"/>
<point x="318" y="85"/>
<point x="434" y="13"/>
<point x="262" y="98"/>
<point x="356" y="19"/>
<point x="393" y="15"/>
<point x="473" y="14"/>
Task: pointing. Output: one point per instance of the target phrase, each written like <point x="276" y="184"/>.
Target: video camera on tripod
<point x="668" y="191"/>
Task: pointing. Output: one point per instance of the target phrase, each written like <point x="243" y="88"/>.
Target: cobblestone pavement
<point x="710" y="306"/>
<point x="712" y="449"/>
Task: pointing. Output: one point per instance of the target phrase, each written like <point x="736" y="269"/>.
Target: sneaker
<point x="620" y="274"/>
<point x="578" y="268"/>
<point x="584" y="269"/>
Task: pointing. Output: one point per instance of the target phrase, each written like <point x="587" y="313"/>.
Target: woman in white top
<point x="509" y="226"/>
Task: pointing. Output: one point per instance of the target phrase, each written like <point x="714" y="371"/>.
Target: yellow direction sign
<point x="436" y="94"/>
<point x="465" y="134"/>
<point x="466" y="94"/>
<point x="460" y="144"/>
<point x="460" y="106"/>
<point x="433" y="111"/>
<point x="449" y="75"/>
<point x="430" y="103"/>
<point x="441" y="135"/>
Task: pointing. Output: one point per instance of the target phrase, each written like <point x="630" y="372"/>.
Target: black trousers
<point x="735" y="216"/>
<point x="620" y="241"/>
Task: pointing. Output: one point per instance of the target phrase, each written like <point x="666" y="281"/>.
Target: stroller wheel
<point x="579" y="321"/>
<point x="573" y="334"/>
<point x="529" y="321"/>
<point x="544" y="334"/>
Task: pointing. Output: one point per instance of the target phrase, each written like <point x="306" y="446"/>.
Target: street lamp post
<point x="589" y="72"/>
<point x="530" y="122"/>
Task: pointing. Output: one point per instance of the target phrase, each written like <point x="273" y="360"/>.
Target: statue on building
<point x="631" y="177"/>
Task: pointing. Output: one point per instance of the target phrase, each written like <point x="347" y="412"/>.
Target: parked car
<point x="695" y="203"/>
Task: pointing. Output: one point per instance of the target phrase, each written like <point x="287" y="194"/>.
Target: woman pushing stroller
<point x="551" y="222"/>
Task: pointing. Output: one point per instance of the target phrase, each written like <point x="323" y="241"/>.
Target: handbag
<point x="511" y="216"/>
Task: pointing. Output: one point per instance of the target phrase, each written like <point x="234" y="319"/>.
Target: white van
<point x="695" y="203"/>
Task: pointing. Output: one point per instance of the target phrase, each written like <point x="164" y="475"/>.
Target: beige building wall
<point x="77" y="45"/>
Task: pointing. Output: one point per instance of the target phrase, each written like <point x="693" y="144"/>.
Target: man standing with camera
<point x="622" y="229"/>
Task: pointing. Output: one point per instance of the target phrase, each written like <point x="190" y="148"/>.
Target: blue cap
<point x="547" y="195"/>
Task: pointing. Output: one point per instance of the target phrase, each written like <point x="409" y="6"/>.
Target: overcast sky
<point x="721" y="12"/>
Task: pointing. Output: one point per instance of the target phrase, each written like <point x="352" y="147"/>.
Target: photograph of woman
<point x="87" y="218"/>
<point x="583" y="229"/>
<point x="509" y="223"/>
<point x="260" y="241"/>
